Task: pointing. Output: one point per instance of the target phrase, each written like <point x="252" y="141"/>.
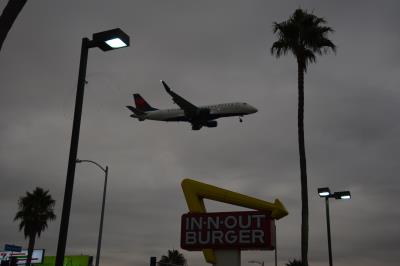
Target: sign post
<point x="227" y="257"/>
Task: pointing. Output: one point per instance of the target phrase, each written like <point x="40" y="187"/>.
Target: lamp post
<point x="258" y="262"/>
<point x="105" y="170"/>
<point x="106" y="40"/>
<point x="276" y="247"/>
<point x="326" y="193"/>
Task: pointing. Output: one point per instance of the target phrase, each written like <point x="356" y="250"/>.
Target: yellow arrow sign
<point x="195" y="192"/>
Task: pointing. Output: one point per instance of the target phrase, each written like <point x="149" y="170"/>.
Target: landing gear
<point x="240" y="120"/>
<point x="196" y="127"/>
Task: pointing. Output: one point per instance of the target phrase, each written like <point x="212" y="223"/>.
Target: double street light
<point x="326" y="193"/>
<point x="106" y="41"/>
<point x="105" y="170"/>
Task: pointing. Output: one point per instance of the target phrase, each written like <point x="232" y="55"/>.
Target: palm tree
<point x="174" y="257"/>
<point x="294" y="263"/>
<point x="34" y="210"/>
<point x="305" y="36"/>
<point x="9" y="15"/>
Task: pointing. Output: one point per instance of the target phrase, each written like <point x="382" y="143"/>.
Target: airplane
<point x="197" y="116"/>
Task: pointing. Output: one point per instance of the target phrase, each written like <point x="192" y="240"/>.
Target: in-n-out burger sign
<point x="227" y="230"/>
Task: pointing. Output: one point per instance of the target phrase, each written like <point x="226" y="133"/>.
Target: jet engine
<point x="203" y="113"/>
<point x="211" y="124"/>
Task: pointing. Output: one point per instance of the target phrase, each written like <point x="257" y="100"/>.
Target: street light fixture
<point x="111" y="39"/>
<point x="256" y="261"/>
<point x="99" y="40"/>
<point x="105" y="170"/>
<point x="326" y="193"/>
<point x="342" y="195"/>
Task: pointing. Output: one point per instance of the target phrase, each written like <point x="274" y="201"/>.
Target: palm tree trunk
<point x="303" y="165"/>
<point x="31" y="245"/>
<point x="7" y="18"/>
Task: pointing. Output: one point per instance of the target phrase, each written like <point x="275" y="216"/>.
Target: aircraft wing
<point x="189" y="108"/>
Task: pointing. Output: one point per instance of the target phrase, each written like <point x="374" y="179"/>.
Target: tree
<point x="9" y="15"/>
<point x="294" y="263"/>
<point x="174" y="257"/>
<point x="305" y="36"/>
<point x="34" y="210"/>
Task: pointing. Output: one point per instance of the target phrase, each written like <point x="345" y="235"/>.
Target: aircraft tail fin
<point x="141" y="103"/>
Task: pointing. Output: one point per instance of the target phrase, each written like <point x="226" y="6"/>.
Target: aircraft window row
<point x="221" y="105"/>
<point x="225" y="104"/>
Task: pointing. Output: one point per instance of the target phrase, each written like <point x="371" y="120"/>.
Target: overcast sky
<point x="209" y="52"/>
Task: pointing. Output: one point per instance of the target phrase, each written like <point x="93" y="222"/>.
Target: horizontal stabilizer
<point x="134" y="110"/>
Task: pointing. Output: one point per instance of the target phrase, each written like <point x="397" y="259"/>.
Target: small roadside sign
<point x="13" y="248"/>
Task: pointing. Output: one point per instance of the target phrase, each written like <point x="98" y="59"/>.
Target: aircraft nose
<point x="253" y="110"/>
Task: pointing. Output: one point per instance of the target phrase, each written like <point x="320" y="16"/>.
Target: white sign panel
<point x="37" y="256"/>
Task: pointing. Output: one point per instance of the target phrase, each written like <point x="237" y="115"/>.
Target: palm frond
<point x="294" y="263"/>
<point x="173" y="257"/>
<point x="34" y="211"/>
<point x="304" y="35"/>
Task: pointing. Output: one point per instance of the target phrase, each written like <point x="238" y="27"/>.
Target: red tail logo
<point x="140" y="102"/>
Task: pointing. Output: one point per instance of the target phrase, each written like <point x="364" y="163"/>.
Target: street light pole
<point x="106" y="41"/>
<point x="105" y="170"/>
<point x="328" y="226"/>
<point x="326" y="193"/>
<point x="62" y="238"/>
<point x="102" y="218"/>
<point x="276" y="247"/>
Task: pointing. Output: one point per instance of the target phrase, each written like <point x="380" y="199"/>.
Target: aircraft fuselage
<point x="216" y="111"/>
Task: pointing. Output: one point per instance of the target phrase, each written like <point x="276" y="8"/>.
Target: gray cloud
<point x="209" y="52"/>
